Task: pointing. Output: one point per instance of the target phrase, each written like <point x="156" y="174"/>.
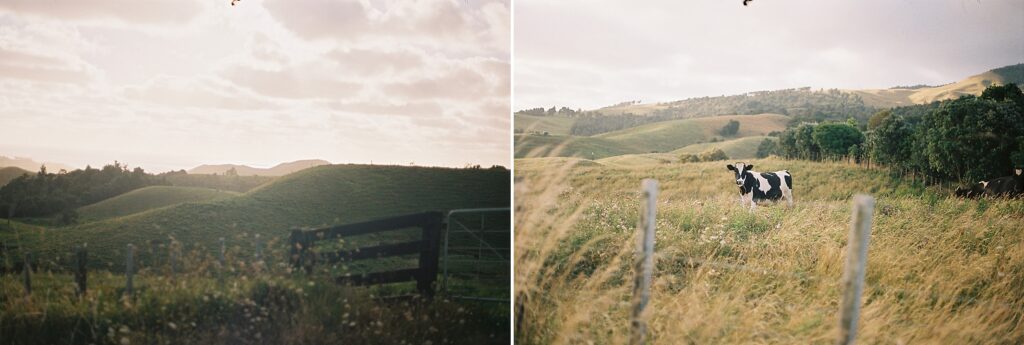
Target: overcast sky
<point x="589" y="54"/>
<point x="171" y="84"/>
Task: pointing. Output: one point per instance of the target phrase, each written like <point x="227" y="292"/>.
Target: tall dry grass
<point x="940" y="269"/>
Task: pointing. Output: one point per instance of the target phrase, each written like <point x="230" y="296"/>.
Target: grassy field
<point x="741" y="148"/>
<point x="147" y="198"/>
<point x="659" y="137"/>
<point x="554" y="125"/>
<point x="940" y="269"/>
<point x="320" y="196"/>
<point x="671" y="135"/>
<point x="254" y="304"/>
<point x="260" y="301"/>
<point x="569" y="146"/>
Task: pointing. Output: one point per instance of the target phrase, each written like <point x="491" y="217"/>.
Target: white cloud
<point x="591" y="54"/>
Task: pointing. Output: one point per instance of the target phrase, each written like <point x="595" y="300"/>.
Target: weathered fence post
<point x="172" y="259"/>
<point x="644" y="266"/>
<point x="294" y="248"/>
<point x="429" y="255"/>
<point x="81" y="256"/>
<point x="258" y="249"/>
<point x="129" y="269"/>
<point x="220" y="263"/>
<point x="856" y="264"/>
<point x="27" y="268"/>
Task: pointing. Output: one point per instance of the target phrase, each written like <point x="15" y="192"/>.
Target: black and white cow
<point x="1009" y="186"/>
<point x="757" y="186"/>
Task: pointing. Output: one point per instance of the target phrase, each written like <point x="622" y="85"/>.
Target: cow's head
<point x="740" y="170"/>
<point x="1018" y="171"/>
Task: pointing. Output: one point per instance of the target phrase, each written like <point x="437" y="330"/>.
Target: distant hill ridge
<point x="10" y="173"/>
<point x="31" y="165"/>
<point x="244" y="170"/>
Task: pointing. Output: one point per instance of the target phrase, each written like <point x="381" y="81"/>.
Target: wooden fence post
<point x="429" y="255"/>
<point x="297" y="249"/>
<point x="172" y="256"/>
<point x="856" y="264"/>
<point x="644" y="266"/>
<point x="81" y="256"/>
<point x="129" y="268"/>
<point x="27" y="268"/>
<point x="220" y="261"/>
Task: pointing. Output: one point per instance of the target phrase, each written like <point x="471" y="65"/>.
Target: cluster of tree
<point x="966" y="139"/>
<point x="803" y="104"/>
<point x="45" y="193"/>
<point x="812" y="141"/>
<point x="730" y="128"/>
<point x="563" y="111"/>
<point x="706" y="156"/>
<point x="768" y="147"/>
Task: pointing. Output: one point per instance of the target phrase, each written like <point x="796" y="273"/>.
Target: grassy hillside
<point x="147" y="198"/>
<point x="9" y="173"/>
<point x="325" y="195"/>
<point x="555" y="125"/>
<point x="741" y="148"/>
<point x="940" y="269"/>
<point x="568" y="146"/>
<point x="972" y="85"/>
<point x="671" y="135"/>
<point x="31" y="165"/>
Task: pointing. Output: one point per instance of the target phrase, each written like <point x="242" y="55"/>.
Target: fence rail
<point x="430" y="223"/>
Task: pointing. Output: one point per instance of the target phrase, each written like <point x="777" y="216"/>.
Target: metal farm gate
<point x="476" y="257"/>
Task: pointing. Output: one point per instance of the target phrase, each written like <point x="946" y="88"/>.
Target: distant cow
<point x="1009" y="186"/>
<point x="757" y="186"/>
<point x="973" y="191"/>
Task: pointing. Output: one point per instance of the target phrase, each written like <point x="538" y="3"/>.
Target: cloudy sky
<point x="170" y="84"/>
<point x="589" y="54"/>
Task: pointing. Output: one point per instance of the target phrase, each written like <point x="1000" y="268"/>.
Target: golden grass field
<point x="940" y="269"/>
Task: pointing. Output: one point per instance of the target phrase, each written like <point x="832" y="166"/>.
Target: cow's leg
<point x="788" y="194"/>
<point x="753" y="204"/>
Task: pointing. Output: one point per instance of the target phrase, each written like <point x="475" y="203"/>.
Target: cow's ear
<point x="730" y="167"/>
<point x="748" y="167"/>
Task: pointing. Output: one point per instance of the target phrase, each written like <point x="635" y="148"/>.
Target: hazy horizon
<point x="585" y="54"/>
<point x="170" y="85"/>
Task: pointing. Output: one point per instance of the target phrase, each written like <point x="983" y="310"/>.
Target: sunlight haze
<point x="175" y="84"/>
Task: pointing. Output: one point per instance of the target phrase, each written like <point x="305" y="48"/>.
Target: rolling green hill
<point x="568" y="146"/>
<point x="147" y="198"/>
<point x="972" y="85"/>
<point x="671" y="135"/>
<point x="9" y="173"/>
<point x="659" y="137"/>
<point x="555" y="125"/>
<point x="324" y="195"/>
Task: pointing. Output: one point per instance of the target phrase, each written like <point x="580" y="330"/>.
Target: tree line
<point x="45" y="193"/>
<point x="801" y="104"/>
<point x="967" y="139"/>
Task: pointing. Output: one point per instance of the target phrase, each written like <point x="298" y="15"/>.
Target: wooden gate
<point x="431" y="223"/>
